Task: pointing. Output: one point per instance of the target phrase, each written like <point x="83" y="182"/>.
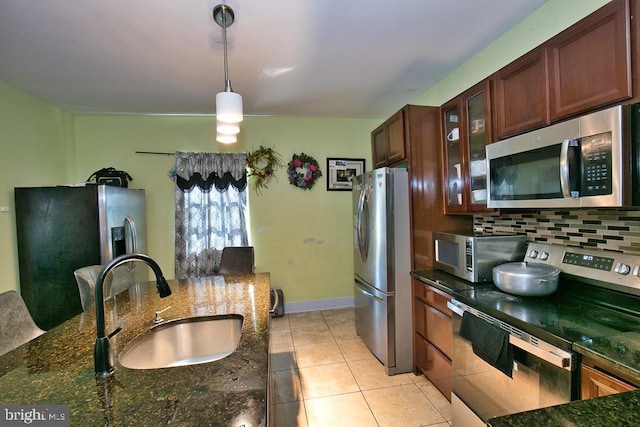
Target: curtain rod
<point x="155" y="152"/>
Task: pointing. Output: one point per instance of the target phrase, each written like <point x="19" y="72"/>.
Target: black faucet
<point x="103" y="359"/>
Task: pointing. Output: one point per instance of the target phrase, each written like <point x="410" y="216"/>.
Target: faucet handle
<point x="158" y="318"/>
<point x="115" y="331"/>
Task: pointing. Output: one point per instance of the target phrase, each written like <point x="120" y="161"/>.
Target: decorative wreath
<point x="262" y="165"/>
<point x="303" y="171"/>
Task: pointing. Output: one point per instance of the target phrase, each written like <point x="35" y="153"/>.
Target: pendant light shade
<point x="229" y="107"/>
<point x="226" y="138"/>
<point x="227" y="128"/>
<point x="228" y="103"/>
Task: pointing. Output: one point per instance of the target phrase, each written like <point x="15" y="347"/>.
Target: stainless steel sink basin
<point x="184" y="342"/>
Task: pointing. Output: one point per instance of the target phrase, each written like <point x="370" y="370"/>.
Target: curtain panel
<point x="207" y="170"/>
<point x="207" y="220"/>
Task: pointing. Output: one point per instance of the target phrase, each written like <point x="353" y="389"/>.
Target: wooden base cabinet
<point x="434" y="365"/>
<point x="596" y="383"/>
<point x="432" y="336"/>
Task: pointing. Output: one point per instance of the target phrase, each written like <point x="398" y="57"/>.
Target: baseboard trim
<point x="324" y="304"/>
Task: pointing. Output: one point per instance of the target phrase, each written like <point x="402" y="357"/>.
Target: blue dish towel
<point x="489" y="342"/>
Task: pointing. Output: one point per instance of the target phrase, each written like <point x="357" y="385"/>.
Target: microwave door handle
<point x="570" y="158"/>
<point x="564" y="169"/>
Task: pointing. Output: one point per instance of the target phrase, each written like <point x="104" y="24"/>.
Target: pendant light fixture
<point x="228" y="103"/>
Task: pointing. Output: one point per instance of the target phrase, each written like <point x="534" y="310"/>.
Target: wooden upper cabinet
<point x="397" y="141"/>
<point x="388" y="142"/>
<point x="521" y="95"/>
<point x="379" y="147"/>
<point x="590" y="62"/>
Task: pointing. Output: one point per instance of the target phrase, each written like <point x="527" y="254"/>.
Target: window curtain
<point x="211" y="203"/>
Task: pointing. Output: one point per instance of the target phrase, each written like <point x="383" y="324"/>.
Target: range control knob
<point x="544" y="256"/>
<point x="622" y="268"/>
<point x="533" y="253"/>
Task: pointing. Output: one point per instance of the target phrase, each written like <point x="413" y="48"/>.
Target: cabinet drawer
<point x="419" y="289"/>
<point x="436" y="367"/>
<point x="438" y="300"/>
<point x="439" y="330"/>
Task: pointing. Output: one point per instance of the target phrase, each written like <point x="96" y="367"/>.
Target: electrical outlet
<point x="4" y="208"/>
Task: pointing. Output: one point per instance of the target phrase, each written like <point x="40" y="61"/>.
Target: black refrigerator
<point x="60" y="229"/>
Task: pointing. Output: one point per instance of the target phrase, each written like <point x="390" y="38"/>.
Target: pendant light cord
<point x="227" y="82"/>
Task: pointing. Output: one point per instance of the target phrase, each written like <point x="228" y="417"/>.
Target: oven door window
<point x="535" y="383"/>
<point x="528" y="175"/>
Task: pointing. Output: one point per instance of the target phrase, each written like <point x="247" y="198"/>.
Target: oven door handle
<point x="560" y="360"/>
<point x="553" y="355"/>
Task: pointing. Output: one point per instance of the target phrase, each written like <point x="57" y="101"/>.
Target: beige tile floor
<point x="324" y="375"/>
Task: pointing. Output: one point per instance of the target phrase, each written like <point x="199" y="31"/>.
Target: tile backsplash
<point x="607" y="229"/>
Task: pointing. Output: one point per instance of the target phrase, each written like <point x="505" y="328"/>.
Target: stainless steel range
<point x="524" y="360"/>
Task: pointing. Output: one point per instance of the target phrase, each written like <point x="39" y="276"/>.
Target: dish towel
<point x="489" y="342"/>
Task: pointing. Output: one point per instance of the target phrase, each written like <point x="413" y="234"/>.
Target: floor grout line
<point x="313" y="318"/>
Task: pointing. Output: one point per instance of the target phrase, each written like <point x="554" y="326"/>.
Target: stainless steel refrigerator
<point x="382" y="287"/>
<point x="61" y="229"/>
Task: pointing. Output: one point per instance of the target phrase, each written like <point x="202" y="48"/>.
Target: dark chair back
<point x="237" y="260"/>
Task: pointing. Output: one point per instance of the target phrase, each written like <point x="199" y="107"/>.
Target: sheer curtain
<point x="211" y="203"/>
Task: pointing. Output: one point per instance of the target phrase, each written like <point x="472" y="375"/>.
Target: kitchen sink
<point x="184" y="342"/>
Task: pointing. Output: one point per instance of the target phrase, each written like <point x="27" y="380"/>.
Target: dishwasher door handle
<point x="558" y="358"/>
<point x="456" y="309"/>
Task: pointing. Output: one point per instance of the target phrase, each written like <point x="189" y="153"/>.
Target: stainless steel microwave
<point x="472" y="256"/>
<point x="589" y="161"/>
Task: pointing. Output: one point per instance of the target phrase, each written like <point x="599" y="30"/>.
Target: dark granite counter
<point x="615" y="410"/>
<point x="57" y="367"/>
<point x="618" y="352"/>
<point x="610" y="411"/>
<point x="443" y="281"/>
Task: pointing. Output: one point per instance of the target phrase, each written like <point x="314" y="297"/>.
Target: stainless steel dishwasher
<point x="542" y="374"/>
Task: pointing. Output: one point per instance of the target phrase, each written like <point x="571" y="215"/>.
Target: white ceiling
<point x="318" y="58"/>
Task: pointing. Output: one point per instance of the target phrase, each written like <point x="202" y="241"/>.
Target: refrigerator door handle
<point x="362" y="230"/>
<point x="131" y="225"/>
<point x="367" y="293"/>
<point x="128" y="221"/>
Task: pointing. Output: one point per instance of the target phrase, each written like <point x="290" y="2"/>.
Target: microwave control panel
<point x="596" y="170"/>
<point x="468" y="252"/>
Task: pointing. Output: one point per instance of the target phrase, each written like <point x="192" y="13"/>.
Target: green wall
<point x="36" y="141"/>
<point x="302" y="237"/>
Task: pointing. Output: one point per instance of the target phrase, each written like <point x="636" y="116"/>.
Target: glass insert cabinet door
<point x="453" y="155"/>
<point x="476" y="131"/>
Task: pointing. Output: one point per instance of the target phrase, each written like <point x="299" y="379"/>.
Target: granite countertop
<point x="614" y="410"/>
<point x="443" y="281"/>
<point x="57" y="367"/>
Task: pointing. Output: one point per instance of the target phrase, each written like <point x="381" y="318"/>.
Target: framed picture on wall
<point x="341" y="173"/>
